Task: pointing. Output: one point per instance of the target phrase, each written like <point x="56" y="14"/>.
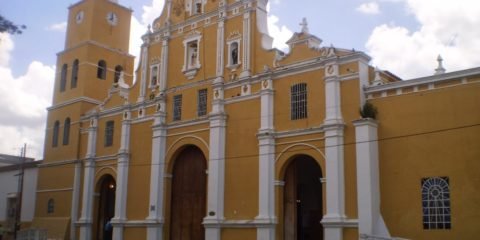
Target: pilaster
<point x="266" y="143"/>
<point x="216" y="166"/>
<point x="370" y="221"/>
<point x="334" y="155"/>
<point x="144" y="61"/>
<point x="220" y="45"/>
<point x="247" y="29"/>
<point x="85" y="220"/>
<point x="122" y="179"/>
<point x="75" y="199"/>
<point x="157" y="175"/>
<point x="164" y="64"/>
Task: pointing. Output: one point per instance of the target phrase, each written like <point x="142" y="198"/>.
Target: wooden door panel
<point x="188" y="196"/>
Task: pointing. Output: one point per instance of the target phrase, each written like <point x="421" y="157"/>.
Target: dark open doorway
<point x="106" y="208"/>
<point x="303" y="200"/>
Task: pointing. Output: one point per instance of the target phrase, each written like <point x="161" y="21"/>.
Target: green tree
<point x="9" y="27"/>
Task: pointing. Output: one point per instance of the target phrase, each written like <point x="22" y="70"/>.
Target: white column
<point x="122" y="179"/>
<point x="164" y="65"/>
<point x="75" y="199"/>
<point x="247" y="22"/>
<point x="85" y="220"/>
<point x="157" y="175"/>
<point x="144" y="61"/>
<point x="334" y="154"/>
<point x="370" y="221"/>
<point x="266" y="212"/>
<point x="216" y="166"/>
<point x="220" y="47"/>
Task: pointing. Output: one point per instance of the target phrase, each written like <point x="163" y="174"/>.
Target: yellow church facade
<point x="217" y="135"/>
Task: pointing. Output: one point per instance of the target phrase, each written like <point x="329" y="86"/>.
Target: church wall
<point x="139" y="170"/>
<point x="423" y="135"/>
<point x="135" y="233"/>
<point x="241" y="160"/>
<point x="239" y="234"/>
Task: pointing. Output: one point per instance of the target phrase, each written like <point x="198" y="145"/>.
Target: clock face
<point x="79" y="17"/>
<point x="112" y="18"/>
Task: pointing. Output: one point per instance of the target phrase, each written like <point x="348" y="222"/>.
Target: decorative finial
<point x="304" y="25"/>
<point x="149" y="28"/>
<point x="440" y="69"/>
<point x="378" y="80"/>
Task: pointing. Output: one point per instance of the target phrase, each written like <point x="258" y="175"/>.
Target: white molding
<point x="242" y="98"/>
<point x="458" y="75"/>
<point x="187" y="123"/>
<point x="299" y="132"/>
<point x="143" y="79"/>
<point x="73" y="101"/>
<point x="55" y="190"/>
<point x="77" y="178"/>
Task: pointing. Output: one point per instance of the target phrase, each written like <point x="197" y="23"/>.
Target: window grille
<point x="51" y="206"/>
<point x="298" y="101"/>
<point x="177" y="107"/>
<point x="109" y="127"/>
<point x="436" y="203"/>
<point x="202" y="102"/>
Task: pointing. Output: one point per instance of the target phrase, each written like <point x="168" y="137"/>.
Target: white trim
<point x="54" y="190"/>
<point x="73" y="101"/>
<point x="300" y="144"/>
<point x="184" y="137"/>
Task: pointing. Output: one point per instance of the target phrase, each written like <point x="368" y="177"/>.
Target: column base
<point x="155" y="232"/>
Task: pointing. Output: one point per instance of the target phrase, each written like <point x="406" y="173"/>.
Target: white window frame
<point x="229" y="52"/>
<point x="436" y="204"/>
<point x="191" y="69"/>
<point x="152" y="67"/>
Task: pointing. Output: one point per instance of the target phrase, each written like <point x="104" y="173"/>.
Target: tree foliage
<point x="9" y="27"/>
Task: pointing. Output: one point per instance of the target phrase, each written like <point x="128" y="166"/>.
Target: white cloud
<point x="6" y="46"/>
<point x="23" y="104"/>
<point x="58" y="27"/>
<point x="370" y="8"/>
<point x="280" y="33"/>
<point x="449" y="28"/>
<point x="150" y="13"/>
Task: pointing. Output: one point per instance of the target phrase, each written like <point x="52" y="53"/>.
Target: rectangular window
<point x="177" y="107"/>
<point x="109" y="127"/>
<point x="202" y="102"/>
<point x="436" y="203"/>
<point x="298" y="101"/>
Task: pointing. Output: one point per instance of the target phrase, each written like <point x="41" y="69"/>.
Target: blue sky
<point x="402" y="36"/>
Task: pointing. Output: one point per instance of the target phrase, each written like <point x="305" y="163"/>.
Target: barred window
<point x="202" y="102"/>
<point x="51" y="206"/>
<point x="436" y="203"/>
<point x="109" y="127"/>
<point x="177" y="107"/>
<point x="298" y="101"/>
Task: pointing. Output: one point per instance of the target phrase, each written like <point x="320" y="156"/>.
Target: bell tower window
<point x="198" y="7"/>
<point x="66" y="131"/>
<point x="118" y="72"/>
<point x="56" y="129"/>
<point x="63" y="78"/>
<point x="102" y="69"/>
<point x="74" y="80"/>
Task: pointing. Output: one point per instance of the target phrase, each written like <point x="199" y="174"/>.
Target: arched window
<point x="63" y="78"/>
<point x="66" y="131"/>
<point x="436" y="203"/>
<point x="56" y="127"/>
<point x="51" y="206"/>
<point x="74" y="80"/>
<point x="102" y="69"/>
<point x="118" y="72"/>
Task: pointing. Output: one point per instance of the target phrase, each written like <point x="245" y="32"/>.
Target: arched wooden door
<point x="303" y="200"/>
<point x="188" y="203"/>
<point x="106" y="208"/>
